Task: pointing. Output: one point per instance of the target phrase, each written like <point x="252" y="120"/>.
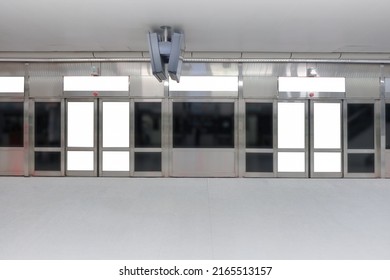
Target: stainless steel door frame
<point x="180" y="152"/>
<point x="19" y="154"/>
<point x="102" y="149"/>
<point x="259" y="150"/>
<point x="375" y="151"/>
<point x="305" y="150"/>
<point x="142" y="150"/>
<point x="33" y="149"/>
<point x="166" y="137"/>
<point x="313" y="150"/>
<point x="93" y="149"/>
<point x="385" y="162"/>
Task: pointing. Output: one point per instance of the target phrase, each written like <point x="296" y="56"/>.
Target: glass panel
<point x="388" y="126"/>
<point x="11" y="124"/>
<point x="360" y="126"/>
<point x="327" y="125"/>
<point x="96" y="83"/>
<point x="291" y="125"/>
<point x="80" y="124"/>
<point x="256" y="162"/>
<point x="203" y="125"/>
<point x="361" y="163"/>
<point x="259" y="125"/>
<point x="202" y="83"/>
<point x="147" y="161"/>
<point x="327" y="162"/>
<point x="48" y="161"/>
<point x="291" y="162"/>
<point x="315" y="84"/>
<point x="147" y="124"/>
<point x="12" y="84"/>
<point x="116" y="128"/>
<point x="116" y="161"/>
<point x="47" y="124"/>
<point x="80" y="161"/>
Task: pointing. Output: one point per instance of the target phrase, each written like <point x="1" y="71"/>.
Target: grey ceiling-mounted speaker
<point x="155" y="57"/>
<point x="176" y="56"/>
<point x="166" y="49"/>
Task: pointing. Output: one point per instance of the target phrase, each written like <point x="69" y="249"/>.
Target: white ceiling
<point x="209" y="25"/>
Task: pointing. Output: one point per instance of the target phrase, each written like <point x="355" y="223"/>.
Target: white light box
<point x="311" y="84"/>
<point x="11" y="84"/>
<point x="204" y="83"/>
<point x="96" y="83"/>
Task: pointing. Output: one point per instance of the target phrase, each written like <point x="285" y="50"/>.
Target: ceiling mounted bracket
<point x="166" y="53"/>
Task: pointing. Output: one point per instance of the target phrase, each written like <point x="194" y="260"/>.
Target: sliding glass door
<point x="81" y="140"/>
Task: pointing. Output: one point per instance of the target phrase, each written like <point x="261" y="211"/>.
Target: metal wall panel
<point x="12" y="69"/>
<point x="260" y="87"/>
<point x="59" y="69"/>
<point x="347" y="70"/>
<point x="263" y="69"/>
<point x="46" y="79"/>
<point x="12" y="161"/>
<point x="216" y="55"/>
<point x="323" y="70"/>
<point x="84" y="69"/>
<point x="315" y="55"/>
<point x="357" y="55"/>
<point x="274" y="69"/>
<point x="125" y="69"/>
<point x="387" y="163"/>
<point x="117" y="54"/>
<point x="265" y="55"/>
<point x="203" y="162"/>
<point x="47" y="55"/>
<point x="387" y="88"/>
<point x="362" y="87"/>
<point x="146" y="86"/>
<point x="385" y="70"/>
<point x="49" y="86"/>
<point x="209" y="69"/>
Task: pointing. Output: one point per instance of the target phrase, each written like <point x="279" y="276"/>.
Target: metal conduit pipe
<point x="72" y="60"/>
<point x="198" y="60"/>
<point x="286" y="60"/>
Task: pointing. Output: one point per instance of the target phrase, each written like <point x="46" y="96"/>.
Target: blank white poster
<point x="291" y="162"/>
<point x="116" y="129"/>
<point x="80" y="124"/>
<point x="291" y="125"/>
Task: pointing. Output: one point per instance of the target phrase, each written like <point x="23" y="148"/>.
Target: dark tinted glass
<point x="360" y="126"/>
<point x="147" y="161"/>
<point x="203" y="125"/>
<point x="11" y="124"/>
<point x="259" y="125"/>
<point x="387" y="126"/>
<point x="48" y="161"/>
<point x="47" y="124"/>
<point x="147" y="124"/>
<point x="259" y="162"/>
<point x="361" y="163"/>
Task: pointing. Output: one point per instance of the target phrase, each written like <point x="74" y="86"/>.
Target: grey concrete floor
<point x="159" y="218"/>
